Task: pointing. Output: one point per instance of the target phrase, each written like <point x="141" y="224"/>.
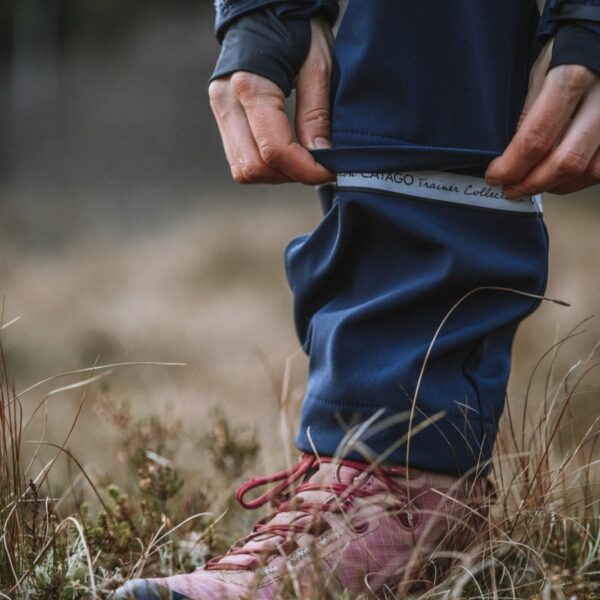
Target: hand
<point x="257" y="135"/>
<point x="557" y="145"/>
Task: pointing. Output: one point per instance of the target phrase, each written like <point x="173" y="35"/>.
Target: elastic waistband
<point x="442" y="187"/>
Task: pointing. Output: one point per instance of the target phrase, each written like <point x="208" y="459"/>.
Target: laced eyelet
<point x="359" y="525"/>
<point x="348" y="503"/>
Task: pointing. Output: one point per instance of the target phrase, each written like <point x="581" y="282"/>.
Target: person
<point x="440" y="123"/>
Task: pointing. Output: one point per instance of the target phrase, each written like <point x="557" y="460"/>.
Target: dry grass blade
<point x="540" y="539"/>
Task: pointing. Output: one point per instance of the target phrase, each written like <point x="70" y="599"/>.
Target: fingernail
<point x="492" y="181"/>
<point x="320" y="142"/>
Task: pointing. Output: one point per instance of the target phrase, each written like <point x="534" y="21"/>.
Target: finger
<point x="313" y="115"/>
<point x="263" y="103"/>
<point x="246" y="164"/>
<point x="589" y="178"/>
<point x="576" y="185"/>
<point x="561" y="93"/>
<point x="570" y="159"/>
<point x="242" y="153"/>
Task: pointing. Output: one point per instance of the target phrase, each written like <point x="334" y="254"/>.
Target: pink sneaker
<point x="338" y="525"/>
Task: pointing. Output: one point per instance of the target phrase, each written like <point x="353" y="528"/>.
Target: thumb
<point x="313" y="111"/>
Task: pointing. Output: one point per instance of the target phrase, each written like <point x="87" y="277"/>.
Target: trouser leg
<point x="372" y="284"/>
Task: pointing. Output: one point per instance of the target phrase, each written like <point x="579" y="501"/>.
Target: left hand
<point x="257" y="135"/>
<point x="557" y="144"/>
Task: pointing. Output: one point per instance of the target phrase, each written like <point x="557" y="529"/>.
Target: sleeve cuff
<point x="264" y="44"/>
<point x="558" y="12"/>
<point x="229" y="10"/>
<point x="577" y="44"/>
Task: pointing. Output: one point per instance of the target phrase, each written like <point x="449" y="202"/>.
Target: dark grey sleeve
<point x="228" y="11"/>
<point x="577" y="44"/>
<point x="263" y="43"/>
<point x="556" y="13"/>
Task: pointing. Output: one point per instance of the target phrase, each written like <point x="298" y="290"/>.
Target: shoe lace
<point x="285" y="498"/>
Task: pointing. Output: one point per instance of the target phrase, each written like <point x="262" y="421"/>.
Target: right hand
<point x="256" y="133"/>
<point x="556" y="147"/>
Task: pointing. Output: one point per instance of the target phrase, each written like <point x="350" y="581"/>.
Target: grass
<point x="62" y="546"/>
<point x="82" y="535"/>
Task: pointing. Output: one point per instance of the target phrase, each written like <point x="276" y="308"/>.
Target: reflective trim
<point x="443" y="187"/>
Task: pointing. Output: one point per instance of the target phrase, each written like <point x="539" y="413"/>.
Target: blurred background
<point x="122" y="238"/>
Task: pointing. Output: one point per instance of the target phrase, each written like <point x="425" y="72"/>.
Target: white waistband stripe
<point x="441" y="186"/>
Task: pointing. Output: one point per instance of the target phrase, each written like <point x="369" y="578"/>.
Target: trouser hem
<point x="443" y="443"/>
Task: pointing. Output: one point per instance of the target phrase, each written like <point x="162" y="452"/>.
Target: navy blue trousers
<point x="372" y="284"/>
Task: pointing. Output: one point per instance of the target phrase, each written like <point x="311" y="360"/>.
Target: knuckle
<point x="578" y="77"/>
<point x="217" y="91"/>
<point x="242" y="83"/>
<point x="270" y="152"/>
<point x="571" y="164"/>
<point x="536" y="144"/>
<point x="319" y="116"/>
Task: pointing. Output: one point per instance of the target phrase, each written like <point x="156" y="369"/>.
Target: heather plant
<point x="231" y="449"/>
<point x="154" y="526"/>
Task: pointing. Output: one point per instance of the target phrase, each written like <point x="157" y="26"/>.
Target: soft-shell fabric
<point x="442" y="83"/>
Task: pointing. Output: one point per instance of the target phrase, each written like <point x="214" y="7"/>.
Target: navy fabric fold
<point x="372" y="284"/>
<point x="402" y="158"/>
<point x="443" y="83"/>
